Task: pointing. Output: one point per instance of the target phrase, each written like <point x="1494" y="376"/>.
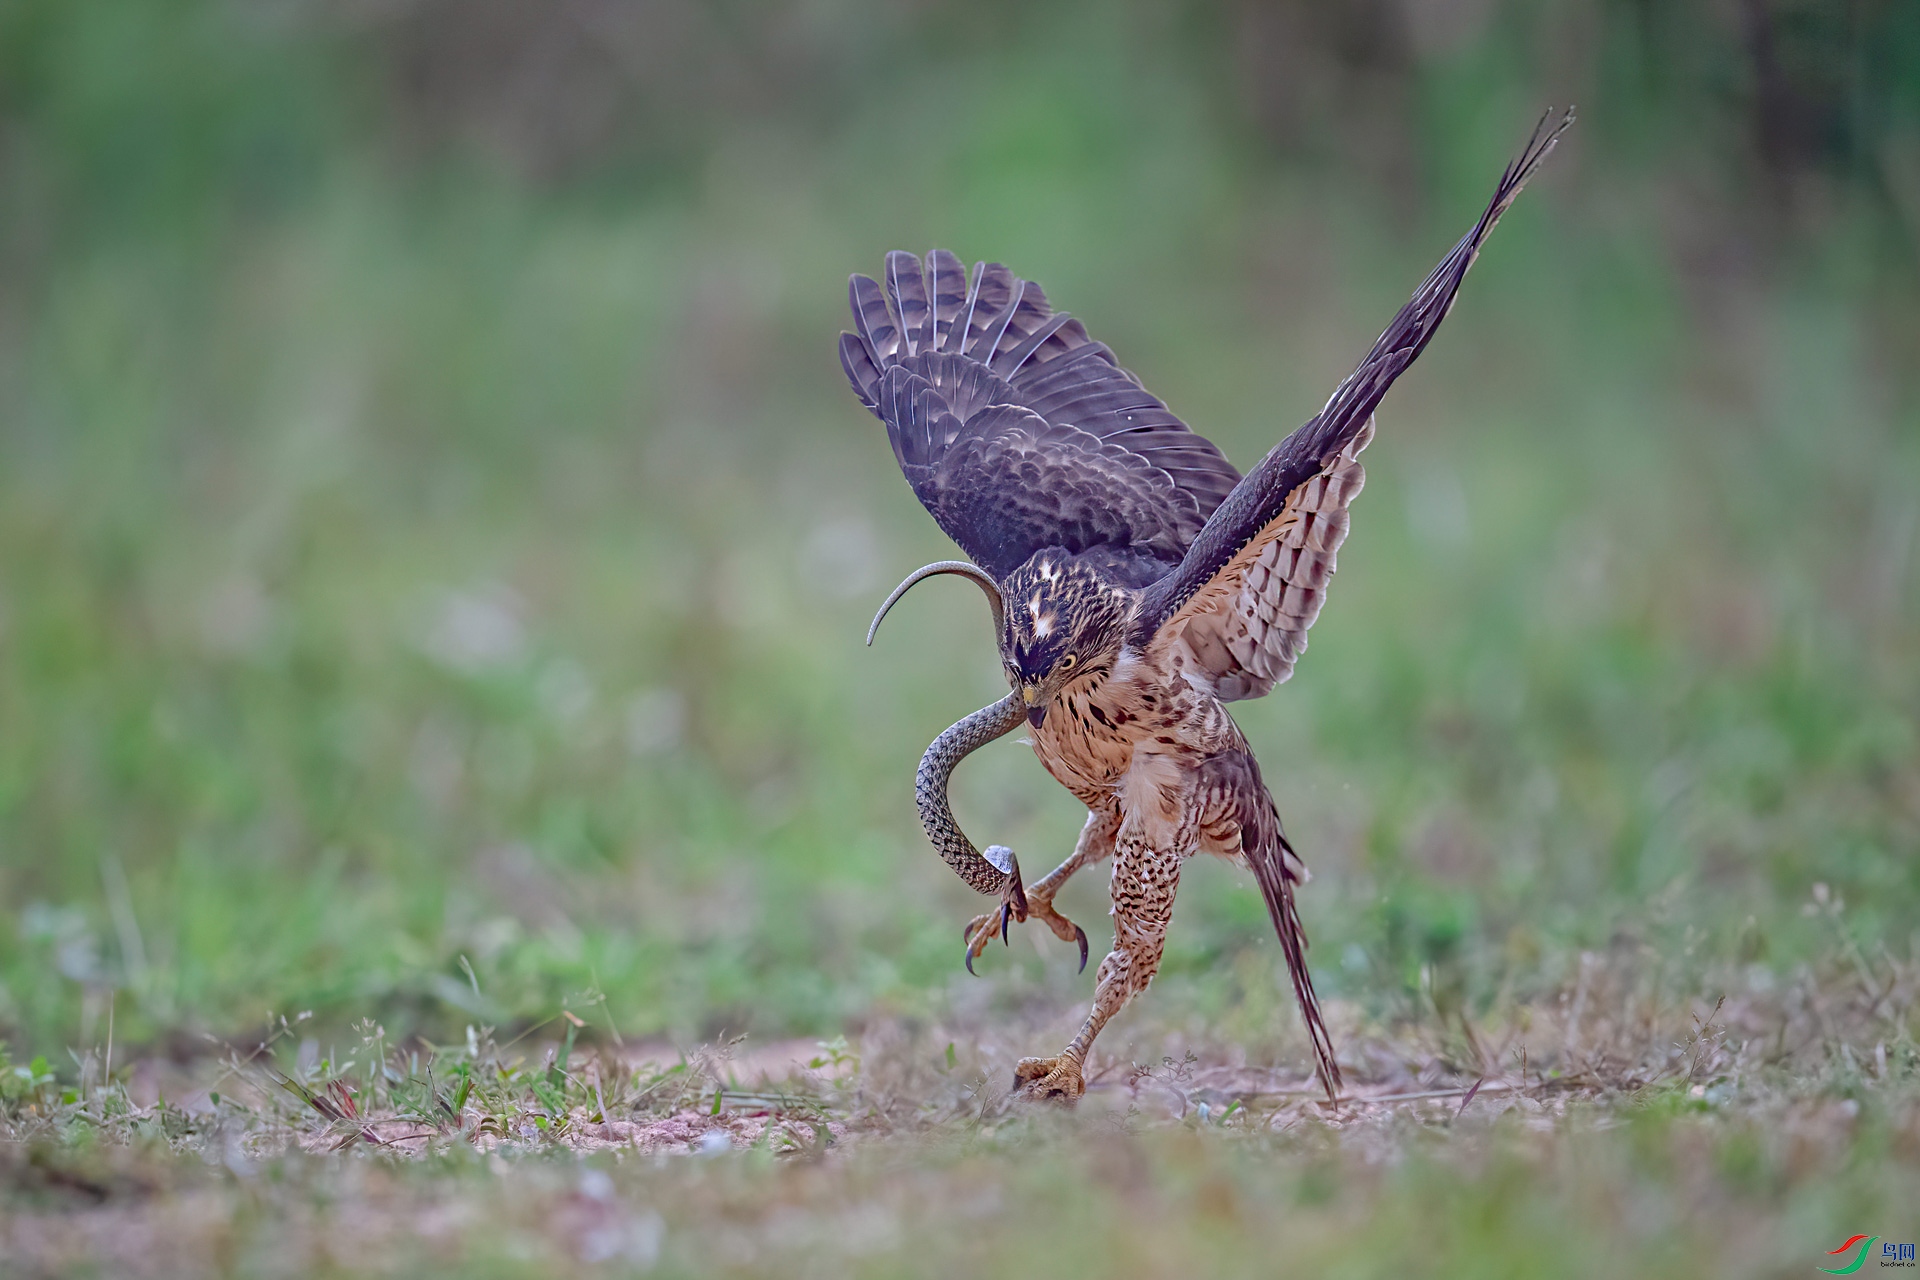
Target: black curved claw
<point x="1080" y="936"/>
<point x="970" y="960"/>
<point x="1006" y="913"/>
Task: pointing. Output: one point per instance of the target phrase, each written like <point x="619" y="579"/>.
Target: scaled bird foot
<point x="1050" y="1079"/>
<point x="980" y="930"/>
<point x="1013" y="904"/>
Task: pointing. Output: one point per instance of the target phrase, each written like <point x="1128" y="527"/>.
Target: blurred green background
<point x="436" y="534"/>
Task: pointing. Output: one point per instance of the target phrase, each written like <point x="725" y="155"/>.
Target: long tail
<point x="1279" y="871"/>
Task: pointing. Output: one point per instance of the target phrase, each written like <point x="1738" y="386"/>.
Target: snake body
<point x="995" y="872"/>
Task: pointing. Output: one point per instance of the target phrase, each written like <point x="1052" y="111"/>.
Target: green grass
<point x="1629" y="1130"/>
<point x="433" y="567"/>
<point x="386" y="599"/>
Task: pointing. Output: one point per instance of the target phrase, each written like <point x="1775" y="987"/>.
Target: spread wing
<point x="1238" y="607"/>
<point x="1016" y="430"/>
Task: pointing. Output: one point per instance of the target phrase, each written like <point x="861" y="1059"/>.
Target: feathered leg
<point x="1145" y="880"/>
<point x="1094" y="845"/>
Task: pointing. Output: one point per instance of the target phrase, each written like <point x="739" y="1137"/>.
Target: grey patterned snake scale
<point x="936" y="814"/>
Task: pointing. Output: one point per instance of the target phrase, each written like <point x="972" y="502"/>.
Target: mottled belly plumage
<point x="1093" y="732"/>
<point x="1087" y="744"/>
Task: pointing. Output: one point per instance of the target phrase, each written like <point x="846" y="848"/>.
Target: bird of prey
<point x="1138" y="584"/>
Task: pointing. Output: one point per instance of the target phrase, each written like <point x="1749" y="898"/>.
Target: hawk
<point x="1138" y="584"/>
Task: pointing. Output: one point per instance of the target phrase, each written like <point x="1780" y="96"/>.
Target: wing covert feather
<point x="1008" y="481"/>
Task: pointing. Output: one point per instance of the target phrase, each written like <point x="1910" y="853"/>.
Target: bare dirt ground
<point x="1740" y="1121"/>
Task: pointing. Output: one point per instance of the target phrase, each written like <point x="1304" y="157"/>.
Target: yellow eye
<point x="1067" y="663"/>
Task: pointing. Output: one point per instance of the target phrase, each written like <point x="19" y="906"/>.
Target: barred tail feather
<point x="1235" y="804"/>
<point x="1272" y="867"/>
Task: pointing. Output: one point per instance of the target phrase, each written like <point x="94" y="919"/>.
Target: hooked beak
<point x="1036" y="709"/>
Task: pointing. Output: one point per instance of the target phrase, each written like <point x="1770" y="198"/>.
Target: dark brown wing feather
<point x="1263" y="497"/>
<point x="1234" y="800"/>
<point x="1094" y="461"/>
<point x="1004" y="482"/>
